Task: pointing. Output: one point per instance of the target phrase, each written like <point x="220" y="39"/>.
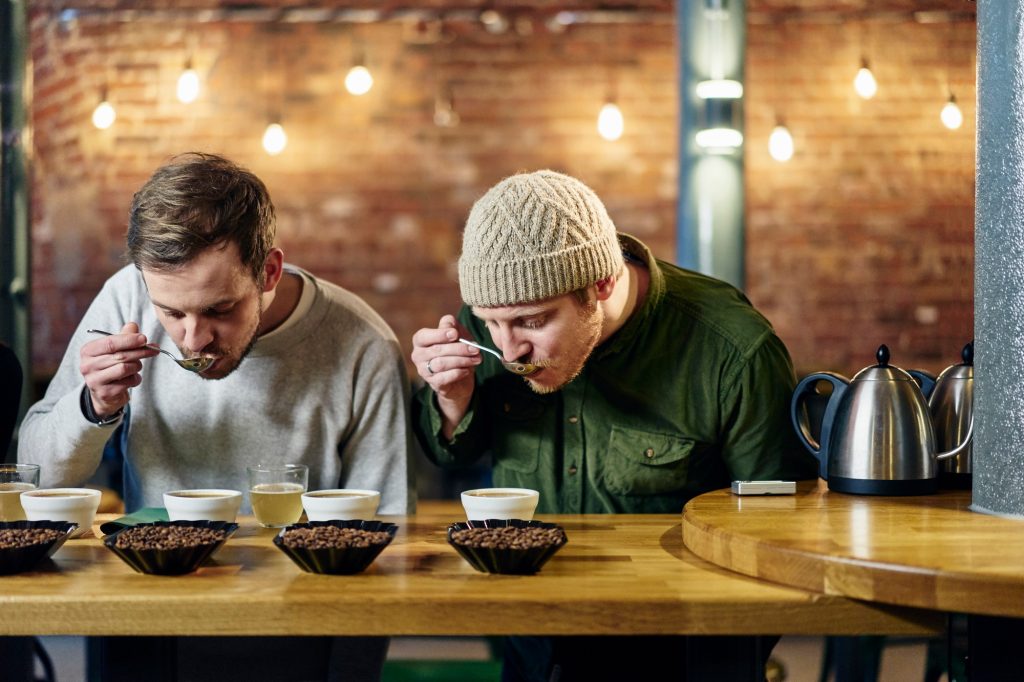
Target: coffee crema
<point x="336" y="495"/>
<point x="188" y="494"/>
<point x="51" y="493"/>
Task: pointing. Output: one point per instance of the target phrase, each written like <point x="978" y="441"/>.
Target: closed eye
<point x="533" y="322"/>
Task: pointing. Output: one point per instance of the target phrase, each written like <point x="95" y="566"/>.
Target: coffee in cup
<point x="203" y="504"/>
<point x="341" y="504"/>
<point x="76" y="505"/>
<point x="500" y="503"/>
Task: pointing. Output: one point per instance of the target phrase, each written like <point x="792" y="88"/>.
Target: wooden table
<point x="922" y="551"/>
<point x="621" y="574"/>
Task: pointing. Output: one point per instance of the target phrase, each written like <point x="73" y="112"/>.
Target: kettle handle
<point x="963" y="446"/>
<point x="804" y="390"/>
<point x="925" y="380"/>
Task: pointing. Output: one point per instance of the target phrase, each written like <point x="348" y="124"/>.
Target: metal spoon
<point x="191" y="364"/>
<point x="520" y="368"/>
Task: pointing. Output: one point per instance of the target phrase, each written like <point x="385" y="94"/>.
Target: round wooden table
<point x="927" y="551"/>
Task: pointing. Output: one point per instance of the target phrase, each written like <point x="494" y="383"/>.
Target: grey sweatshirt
<point x="328" y="390"/>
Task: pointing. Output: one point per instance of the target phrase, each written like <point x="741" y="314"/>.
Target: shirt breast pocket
<point x="516" y="433"/>
<point x="646" y="463"/>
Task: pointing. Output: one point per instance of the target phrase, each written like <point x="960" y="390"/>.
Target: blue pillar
<point x="710" y="228"/>
<point x="998" y="482"/>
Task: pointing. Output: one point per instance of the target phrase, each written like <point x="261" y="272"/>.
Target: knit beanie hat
<point x="534" y="236"/>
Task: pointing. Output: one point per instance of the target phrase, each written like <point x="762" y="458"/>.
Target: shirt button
<point x="649" y="452"/>
<point x="573" y="419"/>
<point x="572" y="471"/>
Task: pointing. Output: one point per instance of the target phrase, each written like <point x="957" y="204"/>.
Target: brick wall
<point x="370" y="193"/>
<point x="864" y="237"/>
<point x="867" y="235"/>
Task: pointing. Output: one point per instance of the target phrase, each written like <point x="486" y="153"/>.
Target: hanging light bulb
<point x="780" y="143"/>
<point x="274" y="139"/>
<point x="951" y="115"/>
<point x="445" y="115"/>
<point x="610" y="123"/>
<point x="188" y="84"/>
<point x="104" y="115"/>
<point x="358" y="81"/>
<point x="865" y="83"/>
<point x="494" y="21"/>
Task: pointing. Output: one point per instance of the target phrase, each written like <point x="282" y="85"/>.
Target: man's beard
<point x="588" y="329"/>
<point x="223" y="354"/>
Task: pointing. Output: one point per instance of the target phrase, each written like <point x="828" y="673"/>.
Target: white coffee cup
<point x="500" y="503"/>
<point x="77" y="505"/>
<point x="203" y="504"/>
<point x="340" y="504"/>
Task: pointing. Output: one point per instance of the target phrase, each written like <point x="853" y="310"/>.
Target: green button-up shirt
<point x="691" y="393"/>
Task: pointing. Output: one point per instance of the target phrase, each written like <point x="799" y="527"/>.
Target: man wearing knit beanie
<point x="649" y="384"/>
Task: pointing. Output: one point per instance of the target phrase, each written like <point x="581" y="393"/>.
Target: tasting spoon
<point x="191" y="364"/>
<point x="520" y="368"/>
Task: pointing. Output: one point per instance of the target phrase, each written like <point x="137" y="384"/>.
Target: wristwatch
<point x="89" y="414"/>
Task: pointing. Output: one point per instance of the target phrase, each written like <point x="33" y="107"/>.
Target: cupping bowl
<point x="500" y="503"/>
<point x="170" y="561"/>
<point x="203" y="504"/>
<point x="336" y="560"/>
<point x="340" y="504"/>
<point x="505" y="561"/>
<point x="74" y="505"/>
<point x="20" y="559"/>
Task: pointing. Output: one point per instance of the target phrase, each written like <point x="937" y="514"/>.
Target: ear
<point x="604" y="287"/>
<point x="273" y="269"/>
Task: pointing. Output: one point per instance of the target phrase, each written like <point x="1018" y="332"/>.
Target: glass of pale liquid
<point x="275" y="491"/>
<point x="14" y="480"/>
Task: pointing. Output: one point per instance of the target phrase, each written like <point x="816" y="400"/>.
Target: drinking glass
<point x="275" y="491"/>
<point x="14" y="480"/>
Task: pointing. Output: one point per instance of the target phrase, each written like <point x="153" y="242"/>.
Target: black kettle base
<point x="955" y="481"/>
<point x="859" y="486"/>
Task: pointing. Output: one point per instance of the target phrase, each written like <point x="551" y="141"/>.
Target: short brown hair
<point x="197" y="201"/>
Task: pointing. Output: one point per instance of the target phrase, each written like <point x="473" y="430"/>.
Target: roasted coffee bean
<point x="167" y="537"/>
<point x="509" y="537"/>
<point x="11" y="538"/>
<point x="328" y="537"/>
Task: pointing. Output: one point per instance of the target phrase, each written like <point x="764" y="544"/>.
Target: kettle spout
<point x="959" y="448"/>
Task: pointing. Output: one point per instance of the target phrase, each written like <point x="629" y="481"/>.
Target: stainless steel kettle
<point x="876" y="436"/>
<point x="951" y="403"/>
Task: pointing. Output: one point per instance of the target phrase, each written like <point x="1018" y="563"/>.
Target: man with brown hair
<point x="302" y="371"/>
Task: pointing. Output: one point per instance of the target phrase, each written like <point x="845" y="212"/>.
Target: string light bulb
<point x="274" y="139"/>
<point x="188" y="84"/>
<point x="104" y="115"/>
<point x="445" y="115"/>
<point x="951" y="115"/>
<point x="780" y="143"/>
<point x="864" y="83"/>
<point x="610" y="123"/>
<point x="358" y="81"/>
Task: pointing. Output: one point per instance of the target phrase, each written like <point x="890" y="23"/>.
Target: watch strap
<point x="90" y="414"/>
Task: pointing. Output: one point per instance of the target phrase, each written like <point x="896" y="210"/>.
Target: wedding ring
<point x="429" y="368"/>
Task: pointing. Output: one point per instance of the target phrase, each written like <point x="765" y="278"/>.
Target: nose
<point x="512" y="347"/>
<point x="198" y="335"/>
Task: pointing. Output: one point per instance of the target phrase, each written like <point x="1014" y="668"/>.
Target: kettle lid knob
<point x="882" y="355"/>
<point x="967" y="354"/>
